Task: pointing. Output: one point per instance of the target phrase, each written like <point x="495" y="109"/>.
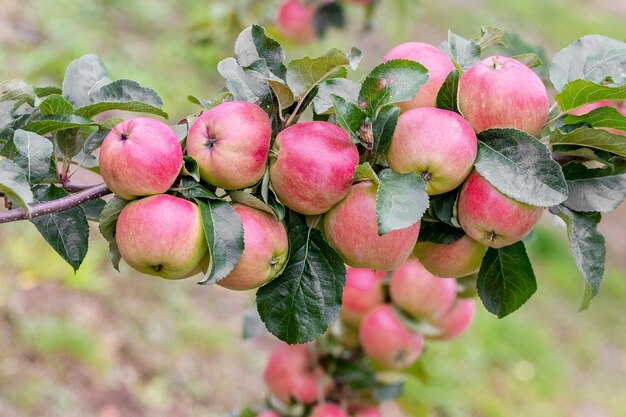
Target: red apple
<point x="162" y="235"/>
<point x="363" y="292"/>
<point x="295" y="21"/>
<point x="328" y="410"/>
<point x="579" y="111"/>
<point x="419" y="293"/>
<point x="438" y="64"/>
<point x="503" y="92"/>
<point x="456" y="321"/>
<point x="231" y="142"/>
<point x="313" y="166"/>
<point x="387" y="341"/>
<point x="457" y="259"/>
<point x="351" y="228"/>
<point x="140" y="157"/>
<point x="437" y="144"/>
<point x="492" y="218"/>
<point x="265" y="252"/>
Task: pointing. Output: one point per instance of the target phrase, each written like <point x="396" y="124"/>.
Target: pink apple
<point x="503" y="92"/>
<point x="328" y="410"/>
<point x="140" y="157"/>
<point x="295" y="21"/>
<point x="419" y="293"/>
<point x="351" y="228"/>
<point x="363" y="292"/>
<point x="579" y="111"/>
<point x="456" y="321"/>
<point x="265" y="252"/>
<point x="231" y="142"/>
<point x="457" y="259"/>
<point x="492" y="218"/>
<point x="438" y="64"/>
<point x="268" y="413"/>
<point x="387" y="341"/>
<point x="313" y="166"/>
<point x="162" y="235"/>
<point x="437" y="144"/>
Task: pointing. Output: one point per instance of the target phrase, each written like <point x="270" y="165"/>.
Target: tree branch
<point x="55" y="206"/>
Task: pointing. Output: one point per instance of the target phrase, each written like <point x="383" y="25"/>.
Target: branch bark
<point x="65" y="203"/>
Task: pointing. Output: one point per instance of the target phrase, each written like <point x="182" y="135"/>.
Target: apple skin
<point x="313" y="167"/>
<point x="328" y="410"/>
<point x="457" y="259"/>
<point x="492" y="218"/>
<point x="231" y="143"/>
<point x="438" y="64"/>
<point x="295" y="21"/>
<point x="456" y="321"/>
<point x="268" y="413"/>
<point x="419" y="293"/>
<point x="437" y="144"/>
<point x="140" y="157"/>
<point x="501" y="92"/>
<point x="582" y="110"/>
<point x="387" y="341"/>
<point x="266" y="249"/>
<point x="351" y="229"/>
<point x="363" y="292"/>
<point x="162" y="235"/>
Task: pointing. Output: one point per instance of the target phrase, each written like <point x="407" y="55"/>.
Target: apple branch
<point x="55" y="206"/>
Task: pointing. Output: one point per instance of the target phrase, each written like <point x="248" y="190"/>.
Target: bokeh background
<point x="99" y="343"/>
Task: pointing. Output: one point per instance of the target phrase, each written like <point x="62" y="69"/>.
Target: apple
<point x="295" y="21"/>
<point x="363" y="292"/>
<point x="456" y="321"/>
<point x="492" y="218"/>
<point x="454" y="260"/>
<point x="231" y="143"/>
<point x="419" y="293"/>
<point x="162" y="235"/>
<point x="265" y="252"/>
<point x="502" y="92"/>
<point x="328" y="410"/>
<point x="368" y="412"/>
<point x="312" y="166"/>
<point x="268" y="413"/>
<point x="582" y="110"/>
<point x="439" y="145"/>
<point x="387" y="341"/>
<point x="351" y="229"/>
<point x="438" y="64"/>
<point x="140" y="157"/>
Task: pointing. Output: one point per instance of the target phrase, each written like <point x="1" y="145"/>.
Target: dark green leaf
<point x="592" y="138"/>
<point x="94" y="141"/>
<point x="383" y="128"/>
<point x="439" y="232"/>
<point x="401" y="200"/>
<point x="190" y="188"/>
<point x="190" y="168"/>
<point x="603" y="117"/>
<point x="83" y="77"/>
<point x="585" y="153"/>
<point x="328" y="16"/>
<point x="447" y="95"/>
<point x="581" y="92"/>
<point x="55" y="104"/>
<point x="253" y="44"/>
<point x="443" y="206"/>
<point x="49" y="124"/>
<point x="349" y="116"/>
<point x="34" y="153"/>
<point x="346" y="89"/>
<point x="599" y="189"/>
<point x="93" y="209"/>
<point x="17" y="90"/>
<point x="14" y="184"/>
<point x="359" y="374"/>
<point x="46" y="91"/>
<point x="108" y="221"/>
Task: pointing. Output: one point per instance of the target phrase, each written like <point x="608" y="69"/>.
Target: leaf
<point x="300" y="304"/>
<point x="190" y="188"/>
<point x="224" y="236"/>
<point x="14" y="183"/>
<point x="55" y="104"/>
<point x="491" y="36"/>
<point x="588" y="248"/>
<point x="383" y="128"/>
<point x="581" y="92"/>
<point x="365" y="171"/>
<point x="444" y="206"/>
<point x="200" y="102"/>
<point x="190" y="168"/>
<point x="260" y="70"/>
<point x="124" y="95"/>
<point x="521" y="167"/>
<point x="447" y="95"/>
<point x="108" y="221"/>
<point x="253" y="44"/>
<point x="586" y="153"/>
<point x="439" y="232"/>
<point x="506" y="279"/>
<point x="349" y="116"/>
<point x="93" y="209"/>
<point x="531" y="60"/>
<point x="341" y="87"/>
<point x="84" y="76"/>
<point x="46" y="91"/>
<point x="16" y="90"/>
<point x="248" y="199"/>
<point x="392" y="82"/>
<point x="593" y="58"/>
<point x="463" y="52"/>
<point x="592" y="138"/>
<point x="34" y="154"/>
<point x="401" y="200"/>
<point x="328" y="16"/>
<point x="66" y="231"/>
<point x="94" y="141"/>
<point x="49" y="124"/>
<point x="599" y="189"/>
<point x="244" y="86"/>
<point x="602" y="117"/>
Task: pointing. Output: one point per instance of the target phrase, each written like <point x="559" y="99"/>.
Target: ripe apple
<point x="140" y="157"/>
<point x="265" y="252"/>
<point x="492" y="218"/>
<point x="387" y="341"/>
<point x="162" y="235"/>
<point x="456" y="321"/>
<point x="231" y="142"/>
<point x="295" y="21"/>
<point x="313" y="166"/>
<point x="328" y="410"/>
<point x="437" y="144"/>
<point x="457" y="259"/>
<point x="351" y="228"/>
<point x="363" y="292"/>
<point x="419" y="293"/>
<point x="503" y="92"/>
<point x="579" y="111"/>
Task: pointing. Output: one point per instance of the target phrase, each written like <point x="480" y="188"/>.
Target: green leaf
<point x="108" y="221"/>
<point x="34" y="154"/>
<point x="391" y="82"/>
<point x="14" y="183"/>
<point x="506" y="279"/>
<point x="328" y="16"/>
<point x="443" y="206"/>
<point x="521" y="167"/>
<point x="200" y="102"/>
<point x="591" y="138"/>
<point x="593" y="58"/>
<point x="224" y="236"/>
<point x="94" y="141"/>
<point x="341" y="87"/>
<point x="349" y="116"/>
<point x="49" y="124"/>
<point x="588" y="248"/>
<point x="252" y="44"/>
<point x="66" y="231"/>
<point x="259" y="69"/>
<point x="401" y="200"/>
<point x="463" y="52"/>
<point x="242" y="85"/>
<point x="190" y="188"/>
<point x="55" y="104"/>
<point x="365" y="171"/>
<point x="599" y="189"/>
<point x="242" y="197"/>
<point x="93" y="209"/>
<point x="46" y="91"/>
<point x="585" y="153"/>
<point x="447" y="95"/>
<point x="300" y="304"/>
<point x="383" y="128"/>
<point x="83" y="77"/>
<point x="531" y="60"/>
<point x="16" y="90"/>
<point x="439" y="232"/>
<point x="602" y="117"/>
<point x="491" y="36"/>
<point x="581" y="92"/>
<point x="190" y="168"/>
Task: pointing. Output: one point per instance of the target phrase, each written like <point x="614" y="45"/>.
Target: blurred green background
<point x="99" y="343"/>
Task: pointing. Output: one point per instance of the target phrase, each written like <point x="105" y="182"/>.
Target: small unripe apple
<point x="140" y="157"/>
<point x="456" y="321"/>
<point x="231" y="142"/>
<point x="162" y="235"/>
<point x="454" y="260"/>
<point x="438" y="64"/>
<point x="351" y="228"/>
<point x="439" y="145"/>
<point x="313" y="166"/>
<point x="265" y="252"/>
<point x="582" y="110"/>
<point x="328" y="410"/>
<point x="295" y="21"/>
<point x="502" y="92"/>
<point x="419" y="293"/>
<point x="387" y="341"/>
<point x="363" y="292"/>
<point x="492" y="218"/>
